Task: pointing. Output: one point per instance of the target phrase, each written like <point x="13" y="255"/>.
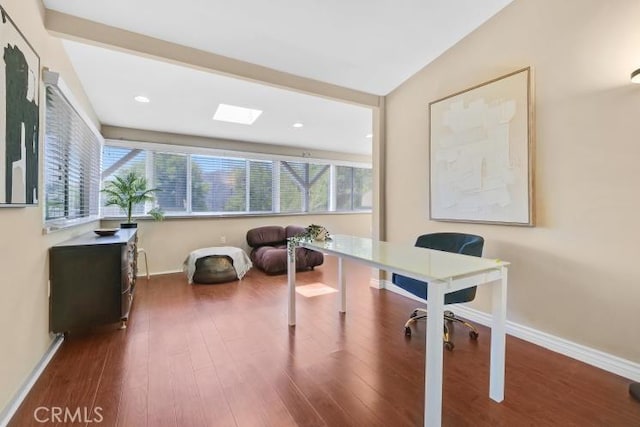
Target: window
<point x="319" y="188"/>
<point x="291" y="193"/>
<point x="362" y="189"/>
<point x="199" y="183"/>
<point x="121" y="161"/>
<point x="304" y="187"/>
<point x="353" y="188"/>
<point x="170" y="178"/>
<point x="218" y="184"/>
<point x="260" y="186"/>
<point x="71" y="163"/>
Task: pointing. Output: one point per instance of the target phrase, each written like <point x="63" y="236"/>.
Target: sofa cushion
<point x="270" y="249"/>
<point x="270" y="259"/>
<point x="267" y="235"/>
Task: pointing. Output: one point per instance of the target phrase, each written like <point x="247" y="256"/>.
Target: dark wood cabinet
<point x="92" y="280"/>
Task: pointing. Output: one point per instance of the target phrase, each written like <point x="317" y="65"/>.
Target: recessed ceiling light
<point x="297" y="125"/>
<point x="142" y="99"/>
<point x="234" y="114"/>
<point x="369" y="135"/>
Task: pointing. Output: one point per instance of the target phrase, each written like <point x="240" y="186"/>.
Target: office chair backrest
<point x="461" y="243"/>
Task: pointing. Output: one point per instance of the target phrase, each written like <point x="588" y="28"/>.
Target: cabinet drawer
<point x="127" y="279"/>
<point x="128" y="254"/>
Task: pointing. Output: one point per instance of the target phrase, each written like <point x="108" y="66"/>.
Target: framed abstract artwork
<point x="481" y="153"/>
<point x="19" y="117"/>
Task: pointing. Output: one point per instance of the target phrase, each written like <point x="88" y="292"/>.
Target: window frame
<point x="248" y="157"/>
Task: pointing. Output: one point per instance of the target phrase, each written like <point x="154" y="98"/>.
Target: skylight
<point x="234" y="114"/>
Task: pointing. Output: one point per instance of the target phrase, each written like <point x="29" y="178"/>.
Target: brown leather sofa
<point x="269" y="249"/>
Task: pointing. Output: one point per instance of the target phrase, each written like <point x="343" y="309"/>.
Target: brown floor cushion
<point x="214" y="269"/>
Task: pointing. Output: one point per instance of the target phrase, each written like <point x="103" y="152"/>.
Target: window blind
<point x="362" y="189"/>
<point x="71" y="162"/>
<point x="304" y="187"/>
<point x="218" y="184"/>
<point x="120" y="161"/>
<point x="344" y="188"/>
<point x="354" y="188"/>
<point x="291" y="193"/>
<point x="170" y="179"/>
<point x="260" y="186"/>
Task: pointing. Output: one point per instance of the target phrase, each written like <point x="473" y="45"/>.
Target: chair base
<point x="449" y="316"/>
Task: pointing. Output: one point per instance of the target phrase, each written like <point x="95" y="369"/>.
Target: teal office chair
<point x="461" y="243"/>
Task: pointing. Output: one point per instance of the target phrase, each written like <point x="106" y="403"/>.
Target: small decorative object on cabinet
<point x="103" y="232"/>
<point x="92" y="280"/>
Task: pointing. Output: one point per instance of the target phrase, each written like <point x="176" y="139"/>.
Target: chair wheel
<point x="473" y="335"/>
<point x="448" y="345"/>
<point x="407" y="331"/>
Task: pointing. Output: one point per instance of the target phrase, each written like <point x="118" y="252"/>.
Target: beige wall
<point x="168" y="242"/>
<point x="24" y="310"/>
<point x="575" y="275"/>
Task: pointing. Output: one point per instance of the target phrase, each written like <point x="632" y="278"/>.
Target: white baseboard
<point x="157" y="273"/>
<point x="376" y="283"/>
<point x="608" y="362"/>
<point x="9" y="411"/>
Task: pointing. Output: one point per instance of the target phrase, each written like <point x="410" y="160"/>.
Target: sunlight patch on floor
<point x="315" y="289"/>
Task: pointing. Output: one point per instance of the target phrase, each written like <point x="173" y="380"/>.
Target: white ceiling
<point x="184" y="100"/>
<point x="367" y="45"/>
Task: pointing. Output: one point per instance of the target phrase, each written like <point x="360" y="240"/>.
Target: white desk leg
<point x="342" y="289"/>
<point x="434" y="357"/>
<point x="291" y="281"/>
<point x="498" y="339"/>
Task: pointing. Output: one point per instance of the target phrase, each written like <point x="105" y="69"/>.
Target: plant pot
<point x="129" y="225"/>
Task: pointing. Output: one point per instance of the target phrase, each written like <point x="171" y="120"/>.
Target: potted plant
<point x="126" y="192"/>
<point x="312" y="232"/>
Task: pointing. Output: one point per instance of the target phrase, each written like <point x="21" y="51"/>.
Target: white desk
<point x="446" y="272"/>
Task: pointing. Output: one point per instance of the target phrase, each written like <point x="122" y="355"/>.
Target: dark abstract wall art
<point x="19" y="116"/>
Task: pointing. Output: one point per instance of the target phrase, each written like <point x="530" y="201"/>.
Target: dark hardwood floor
<point x="222" y="355"/>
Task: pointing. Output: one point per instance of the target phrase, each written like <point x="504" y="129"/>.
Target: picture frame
<point x="19" y="116"/>
<point x="481" y="153"/>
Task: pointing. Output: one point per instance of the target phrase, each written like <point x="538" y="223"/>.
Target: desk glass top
<point x="426" y="264"/>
